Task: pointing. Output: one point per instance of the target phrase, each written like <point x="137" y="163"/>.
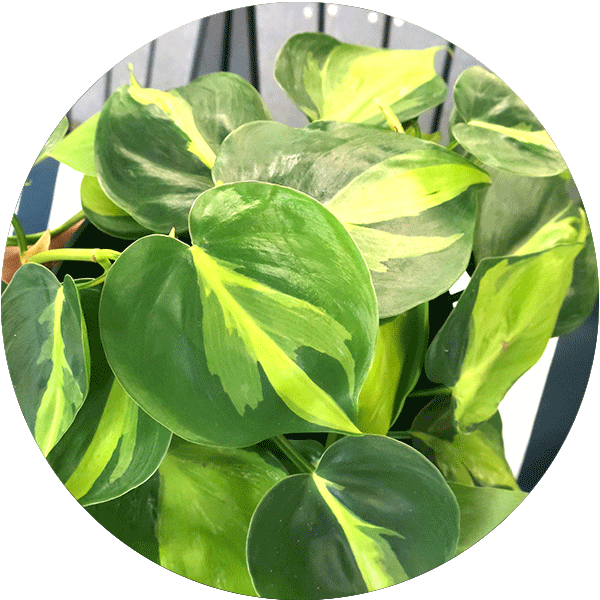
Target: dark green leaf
<point x="192" y="517"/>
<point x="46" y="350"/>
<point x="112" y="446"/>
<point x="330" y="80"/>
<point x="374" y="513"/>
<point x="493" y="124"/>
<point x="408" y="204"/>
<point x="244" y="335"/>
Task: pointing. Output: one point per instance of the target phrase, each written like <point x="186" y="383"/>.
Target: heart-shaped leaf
<point x="493" y="124"/>
<point x="55" y="137"/>
<point x="154" y="149"/>
<point x="47" y="351"/>
<point x="374" y="513"/>
<point x="192" y="517"/>
<point x="112" y="446"/>
<point x="330" y="80"/>
<point x="265" y="325"/>
<point x="481" y="358"/>
<point x="397" y="364"/>
<point x="408" y="204"/>
<point x="475" y="458"/>
<point x="520" y="215"/>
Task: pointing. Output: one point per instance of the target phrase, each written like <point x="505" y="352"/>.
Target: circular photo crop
<point x="299" y="301"/>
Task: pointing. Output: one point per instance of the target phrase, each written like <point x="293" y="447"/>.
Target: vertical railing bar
<point x="150" y="67"/>
<point x="386" y="31"/>
<point x="251" y="17"/>
<point x="195" y="71"/>
<point x="321" y="17"/>
<point x="226" y="40"/>
<point x="107" y="84"/>
<point x="446" y="75"/>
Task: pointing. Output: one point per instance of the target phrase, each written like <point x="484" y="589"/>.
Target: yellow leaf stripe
<point x="291" y="383"/>
<point x="539" y="138"/>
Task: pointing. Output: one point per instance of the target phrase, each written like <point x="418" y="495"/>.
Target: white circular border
<point x="52" y="52"/>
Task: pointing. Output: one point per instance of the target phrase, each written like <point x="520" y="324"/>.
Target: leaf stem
<point x="79" y="254"/>
<point x="399" y="435"/>
<point x="332" y="437"/>
<point x="291" y="452"/>
<point x="21" y="238"/>
<point x="34" y="237"/>
<point x="452" y="145"/>
<point x="440" y="390"/>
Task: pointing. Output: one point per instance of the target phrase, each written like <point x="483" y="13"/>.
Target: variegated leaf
<point x="330" y="80"/>
<point x="46" y="350"/>
<point x="242" y="336"/>
<point x="408" y="204"/>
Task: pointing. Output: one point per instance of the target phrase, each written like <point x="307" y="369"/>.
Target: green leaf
<point x="399" y="356"/>
<point x="46" y="350"/>
<point x="374" y="513"/>
<point x="330" y="80"/>
<point x="192" y="517"/>
<point x="472" y="459"/>
<point x="480" y="357"/>
<point x="493" y="124"/>
<point x="76" y="150"/>
<point x="112" y="446"/>
<point x="408" y="204"/>
<point x="524" y="214"/>
<point x="244" y="335"/>
<point x="154" y="149"/>
<point x="58" y="134"/>
<point x="105" y="214"/>
<point x="482" y="509"/>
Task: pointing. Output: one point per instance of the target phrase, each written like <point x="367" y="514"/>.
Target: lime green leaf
<point x="105" y="214"/>
<point x="154" y="149"/>
<point x="481" y="358"/>
<point x="329" y="80"/>
<point x="363" y="545"/>
<point x="58" y="134"/>
<point x="77" y="149"/>
<point x="521" y="215"/>
<point x="399" y="356"/>
<point x="244" y="335"/>
<point x="46" y="350"/>
<point x="112" y="446"/>
<point x="475" y="458"/>
<point x="408" y="204"/>
<point x="482" y="509"/>
<point x="192" y="517"/>
<point x="493" y="124"/>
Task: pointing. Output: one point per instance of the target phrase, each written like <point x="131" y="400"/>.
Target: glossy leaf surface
<point x="524" y="214"/>
<point x="46" y="350"/>
<point x="154" y="150"/>
<point x="112" y="446"/>
<point x="76" y="150"/>
<point x="481" y="357"/>
<point x="408" y="204"/>
<point x="374" y="513"/>
<point x="482" y="509"/>
<point x="192" y="517"/>
<point x="244" y="335"/>
<point x="473" y="459"/>
<point x="105" y="214"/>
<point x="58" y="134"/>
<point x="399" y="356"/>
<point x="330" y="80"/>
<point x="496" y="126"/>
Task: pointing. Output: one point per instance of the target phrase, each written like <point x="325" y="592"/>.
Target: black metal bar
<point x="254" y="73"/>
<point x="150" y="67"/>
<point x="386" y="31"/>
<point x="195" y="71"/>
<point x="226" y="40"/>
<point x="321" y="17"/>
<point x="107" y="84"/>
<point x="445" y="74"/>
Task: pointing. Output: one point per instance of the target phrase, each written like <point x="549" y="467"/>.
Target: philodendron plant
<point x="270" y="390"/>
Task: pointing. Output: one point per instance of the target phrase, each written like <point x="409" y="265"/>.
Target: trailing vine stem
<point x="21" y="238"/>
<point x="34" y="237"/>
<point x="437" y="391"/>
<point x="284" y="445"/>
<point x="97" y="255"/>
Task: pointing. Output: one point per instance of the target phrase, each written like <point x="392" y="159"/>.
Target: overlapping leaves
<point x="408" y="204"/>
<point x="274" y="349"/>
